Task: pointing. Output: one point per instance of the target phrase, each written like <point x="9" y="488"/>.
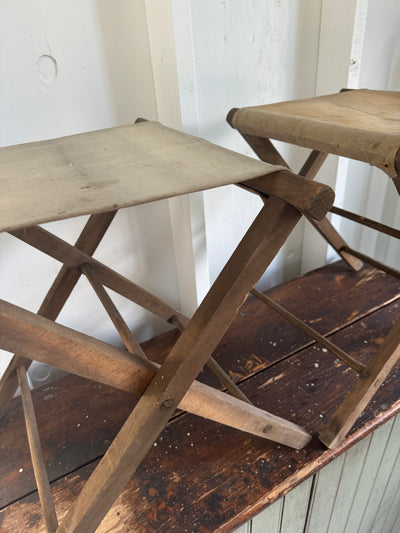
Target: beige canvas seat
<point x="360" y="124"/>
<point x="98" y="173"/>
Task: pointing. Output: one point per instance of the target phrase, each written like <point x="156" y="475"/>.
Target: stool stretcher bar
<point x="343" y="356"/>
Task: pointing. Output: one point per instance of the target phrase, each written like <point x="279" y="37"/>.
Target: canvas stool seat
<point x="96" y="174"/>
<point x="359" y="124"/>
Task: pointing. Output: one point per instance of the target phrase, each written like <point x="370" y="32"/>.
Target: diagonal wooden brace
<point x="58" y="294"/>
<point x="267" y="152"/>
<point x="75" y="260"/>
<point x="75" y="352"/>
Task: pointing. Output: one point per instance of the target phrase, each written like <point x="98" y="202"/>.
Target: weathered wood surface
<point x="305" y="388"/>
<point x="63" y="285"/>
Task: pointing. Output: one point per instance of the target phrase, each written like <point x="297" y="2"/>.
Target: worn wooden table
<point x="204" y="477"/>
<point x="97" y="173"/>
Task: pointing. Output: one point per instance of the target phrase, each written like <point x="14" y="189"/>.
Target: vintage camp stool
<point x="358" y="124"/>
<point x="97" y="173"/>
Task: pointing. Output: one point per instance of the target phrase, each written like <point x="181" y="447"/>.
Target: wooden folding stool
<point x="97" y="173"/>
<point x="357" y="124"/>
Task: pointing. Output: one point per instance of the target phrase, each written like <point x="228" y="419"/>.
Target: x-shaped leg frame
<point x="162" y="388"/>
<point x="375" y="372"/>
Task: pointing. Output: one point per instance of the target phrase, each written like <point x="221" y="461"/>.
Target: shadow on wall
<point x="127" y="54"/>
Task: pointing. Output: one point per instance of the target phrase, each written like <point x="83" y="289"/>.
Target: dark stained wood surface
<point x="202" y="476"/>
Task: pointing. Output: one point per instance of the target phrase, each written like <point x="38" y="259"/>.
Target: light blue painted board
<point x="351" y="472"/>
<point x="324" y="494"/>
<point x="381" y="480"/>
<point x="393" y="514"/>
<point x="295" y="508"/>
<point x="368" y="476"/>
<point x="245" y="528"/>
<point x="396" y="526"/>
<point x="269" y="520"/>
<point x="391" y="492"/>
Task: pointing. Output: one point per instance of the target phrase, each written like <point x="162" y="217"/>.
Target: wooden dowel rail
<point x="343" y="356"/>
<point x="39" y="467"/>
<point x="71" y="256"/>
<point x="74" y="258"/>
<point x="215" y="368"/>
<point x="131" y="344"/>
<point x="373" y="262"/>
<point x="383" y="228"/>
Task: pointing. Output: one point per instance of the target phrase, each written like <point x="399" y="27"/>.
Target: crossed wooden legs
<point x="163" y="389"/>
<point x="373" y="374"/>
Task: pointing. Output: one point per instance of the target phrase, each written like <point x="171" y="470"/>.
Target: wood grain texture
<point x="309" y="197"/>
<point x="63" y="285"/>
<point x="230" y="461"/>
<point x="80" y="354"/>
<point x="39" y="467"/>
<point x="75" y="258"/>
<point x="373" y="375"/>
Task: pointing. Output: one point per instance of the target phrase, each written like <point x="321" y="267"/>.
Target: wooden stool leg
<point x="267" y="152"/>
<point x="257" y="249"/>
<point x="325" y="228"/>
<point x="371" y="378"/>
<point x="39" y="467"/>
<point x="55" y="299"/>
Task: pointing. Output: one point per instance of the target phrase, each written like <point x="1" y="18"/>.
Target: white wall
<point x="69" y="67"/>
<point x="367" y="190"/>
<point x="243" y="53"/>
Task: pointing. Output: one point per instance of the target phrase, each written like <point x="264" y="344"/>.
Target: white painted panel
<point x="348" y="485"/>
<point x="393" y="514"/>
<point x="169" y="27"/>
<point x="369" y="473"/>
<point x="295" y="508"/>
<point x="68" y="67"/>
<point x="388" y="501"/>
<point x="252" y="53"/>
<point x="358" y="492"/>
<point x="269" y="520"/>
<point x="396" y="526"/>
<point x="379" y="68"/>
<point x="245" y="528"/>
<point x="385" y="468"/>
<point x="324" y="494"/>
